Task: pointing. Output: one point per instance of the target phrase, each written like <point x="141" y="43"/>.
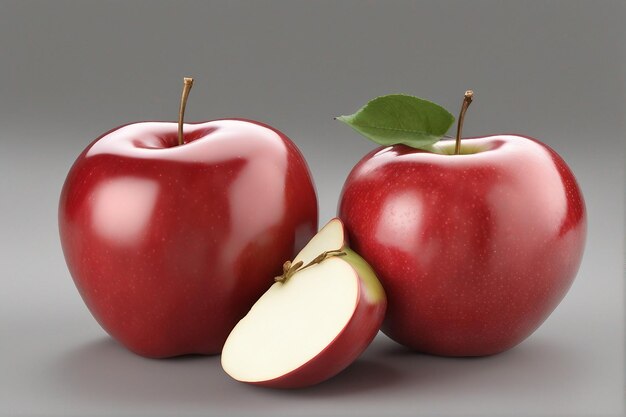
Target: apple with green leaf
<point x="314" y="321"/>
<point x="476" y="241"/>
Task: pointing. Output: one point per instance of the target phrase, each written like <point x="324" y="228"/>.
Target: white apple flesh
<point x="313" y="324"/>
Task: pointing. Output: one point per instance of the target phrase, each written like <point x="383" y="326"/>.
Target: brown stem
<point x="187" y="84"/>
<point x="290" y="269"/>
<point x="467" y="100"/>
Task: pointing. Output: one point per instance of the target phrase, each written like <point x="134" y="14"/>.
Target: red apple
<point x="169" y="245"/>
<point x="313" y="322"/>
<point x="474" y="250"/>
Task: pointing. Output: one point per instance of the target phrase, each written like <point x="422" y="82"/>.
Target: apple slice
<point x="315" y="320"/>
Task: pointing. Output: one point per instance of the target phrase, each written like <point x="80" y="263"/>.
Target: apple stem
<point x="187" y="84"/>
<point x="467" y="100"/>
<point x="290" y="269"/>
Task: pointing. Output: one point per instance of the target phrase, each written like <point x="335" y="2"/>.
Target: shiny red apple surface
<point x="474" y="250"/>
<point x="170" y="245"/>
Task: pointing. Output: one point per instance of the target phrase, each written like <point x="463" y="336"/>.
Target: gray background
<point x="70" y="71"/>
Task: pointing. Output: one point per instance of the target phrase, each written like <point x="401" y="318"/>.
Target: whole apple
<point x="170" y="236"/>
<point x="475" y="248"/>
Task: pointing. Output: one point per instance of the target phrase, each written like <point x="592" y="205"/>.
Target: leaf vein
<point x="395" y="128"/>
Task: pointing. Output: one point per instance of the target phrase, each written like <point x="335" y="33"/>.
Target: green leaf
<point x="399" y="118"/>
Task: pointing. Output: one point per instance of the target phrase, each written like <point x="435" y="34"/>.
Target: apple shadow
<point x="103" y="371"/>
<point x="533" y="362"/>
<point x="103" y="374"/>
<point x="363" y="376"/>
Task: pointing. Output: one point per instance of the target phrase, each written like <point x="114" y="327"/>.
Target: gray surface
<point x="71" y="71"/>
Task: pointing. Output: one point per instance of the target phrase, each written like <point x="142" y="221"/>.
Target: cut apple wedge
<point x="315" y="320"/>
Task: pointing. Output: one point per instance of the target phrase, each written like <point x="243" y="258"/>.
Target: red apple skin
<point x="474" y="251"/>
<point x="343" y="351"/>
<point x="170" y="245"/>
